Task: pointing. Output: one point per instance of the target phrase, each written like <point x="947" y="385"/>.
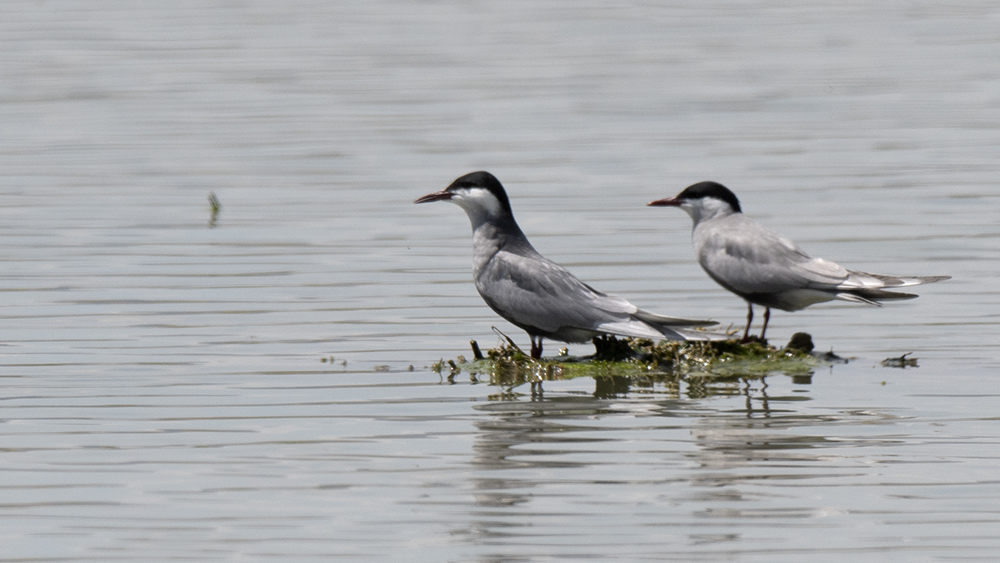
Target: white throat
<point x="479" y="204"/>
<point x="707" y="208"/>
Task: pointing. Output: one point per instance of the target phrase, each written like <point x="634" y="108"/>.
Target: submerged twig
<point x="900" y="362"/>
<point x="510" y="341"/>
<point x="216" y="207"/>
<point x="476" y="352"/>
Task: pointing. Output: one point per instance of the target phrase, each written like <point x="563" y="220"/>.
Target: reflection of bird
<point x="767" y="269"/>
<point x="535" y="293"/>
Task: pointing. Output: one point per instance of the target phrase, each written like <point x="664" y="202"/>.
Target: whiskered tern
<point x="533" y="292"/>
<point x="767" y="269"/>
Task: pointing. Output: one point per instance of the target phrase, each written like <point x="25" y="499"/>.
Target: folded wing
<point x="751" y="260"/>
<point x="532" y="291"/>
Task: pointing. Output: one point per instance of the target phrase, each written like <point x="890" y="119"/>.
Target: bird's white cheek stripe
<point x="481" y="198"/>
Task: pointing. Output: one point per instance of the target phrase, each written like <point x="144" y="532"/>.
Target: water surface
<point x="259" y="389"/>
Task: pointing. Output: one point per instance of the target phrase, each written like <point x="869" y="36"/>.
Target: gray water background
<point x="177" y="391"/>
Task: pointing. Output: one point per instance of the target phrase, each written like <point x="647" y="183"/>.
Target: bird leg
<point x="536" y="349"/>
<point x="767" y="317"/>
<point x="746" y="332"/>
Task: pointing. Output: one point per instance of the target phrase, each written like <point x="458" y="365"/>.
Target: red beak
<point x="436" y="196"/>
<point x="670" y="201"/>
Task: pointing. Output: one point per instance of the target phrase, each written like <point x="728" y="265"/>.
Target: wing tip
<point x="884" y="280"/>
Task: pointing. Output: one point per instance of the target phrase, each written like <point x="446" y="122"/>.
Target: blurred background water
<point x="259" y="388"/>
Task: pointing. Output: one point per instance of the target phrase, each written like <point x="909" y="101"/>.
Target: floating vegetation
<point x="642" y="359"/>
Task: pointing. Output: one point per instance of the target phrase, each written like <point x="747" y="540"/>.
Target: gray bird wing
<point x="747" y="258"/>
<point x="864" y="280"/>
<point x="533" y="292"/>
<point x="530" y="290"/>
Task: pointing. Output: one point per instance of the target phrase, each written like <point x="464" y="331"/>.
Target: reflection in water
<point x="712" y="466"/>
<point x="522" y="435"/>
<point x="611" y="387"/>
<point x="525" y="450"/>
<point x="695" y="386"/>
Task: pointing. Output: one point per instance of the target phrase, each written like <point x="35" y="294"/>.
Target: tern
<point x="533" y="292"/>
<point x="767" y="269"/>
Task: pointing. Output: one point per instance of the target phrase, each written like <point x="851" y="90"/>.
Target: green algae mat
<point x="643" y="360"/>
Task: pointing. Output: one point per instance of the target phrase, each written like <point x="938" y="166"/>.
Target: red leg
<point x="746" y="332"/>
<point x="536" y="349"/>
<point x="767" y="317"/>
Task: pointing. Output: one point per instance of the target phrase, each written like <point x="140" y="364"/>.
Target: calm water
<point x="259" y="390"/>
